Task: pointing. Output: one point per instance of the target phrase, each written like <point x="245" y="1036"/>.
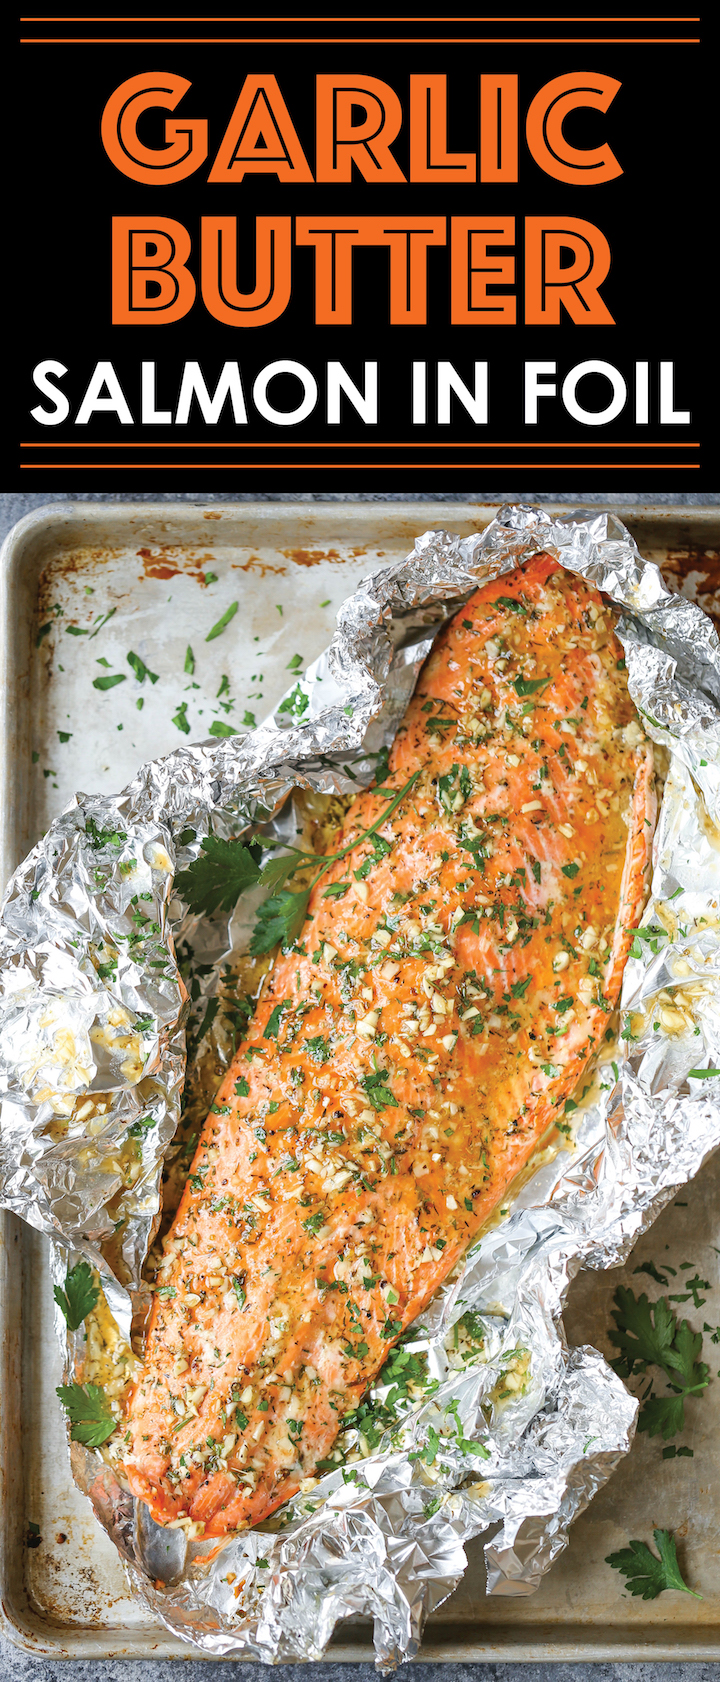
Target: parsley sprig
<point x="88" y="1411"/>
<point x="225" y="869"/>
<point x="647" y="1575"/>
<point x="647" y="1334"/>
<point x="79" y="1296"/>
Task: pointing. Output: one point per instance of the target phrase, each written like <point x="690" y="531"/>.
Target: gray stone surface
<point x="19" y="1667"/>
<point x="16" y="1666"/>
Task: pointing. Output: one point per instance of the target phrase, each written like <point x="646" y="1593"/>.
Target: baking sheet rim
<point x="24" y="552"/>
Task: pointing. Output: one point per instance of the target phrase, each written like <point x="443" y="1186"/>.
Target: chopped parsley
<point x="378" y="1092"/>
<point x="219" y="627"/>
<point x="296" y="703"/>
<point x="315" y="1222"/>
<point x="180" y="719"/>
<point x="109" y="680"/>
<point x="140" y="669"/>
<point x="273" y="1022"/>
<point x="529" y="686"/>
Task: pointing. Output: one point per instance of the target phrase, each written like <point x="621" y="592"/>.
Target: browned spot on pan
<point x="153" y="567"/>
<point x="255" y="564"/>
<point x="311" y="557"/>
<point x="166" y="563"/>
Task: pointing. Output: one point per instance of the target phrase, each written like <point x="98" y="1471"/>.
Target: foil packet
<point x="511" y="1432"/>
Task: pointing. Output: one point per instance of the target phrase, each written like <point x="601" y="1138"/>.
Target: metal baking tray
<point x="66" y="1595"/>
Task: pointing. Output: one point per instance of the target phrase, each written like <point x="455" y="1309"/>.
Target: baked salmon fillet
<point x="454" y="977"/>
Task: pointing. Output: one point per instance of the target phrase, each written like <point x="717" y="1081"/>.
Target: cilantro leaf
<point x="79" y="1296"/>
<point x="89" y="1413"/>
<point x="279" y="918"/>
<point x="644" y="1573"/>
<point x="570" y="870"/>
<point x="216" y="879"/>
<point x="511" y="603"/>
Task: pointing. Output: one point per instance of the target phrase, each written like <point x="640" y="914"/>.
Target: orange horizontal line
<point x="362" y="444"/>
<point x="336" y="466"/>
<point x="359" y="40"/>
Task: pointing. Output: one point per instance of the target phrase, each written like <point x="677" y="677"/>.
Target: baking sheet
<point x="71" y="567"/>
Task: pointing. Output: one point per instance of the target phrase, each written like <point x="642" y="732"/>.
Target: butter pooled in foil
<point x="521" y="1433"/>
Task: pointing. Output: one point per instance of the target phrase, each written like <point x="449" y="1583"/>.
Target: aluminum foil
<point x="515" y="1439"/>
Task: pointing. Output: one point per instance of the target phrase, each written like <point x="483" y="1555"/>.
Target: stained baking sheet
<point x="164" y="577"/>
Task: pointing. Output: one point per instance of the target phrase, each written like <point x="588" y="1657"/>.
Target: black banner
<point x="361" y="254"/>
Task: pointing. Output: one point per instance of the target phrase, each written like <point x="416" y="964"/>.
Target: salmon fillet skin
<point x="407" y="1055"/>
